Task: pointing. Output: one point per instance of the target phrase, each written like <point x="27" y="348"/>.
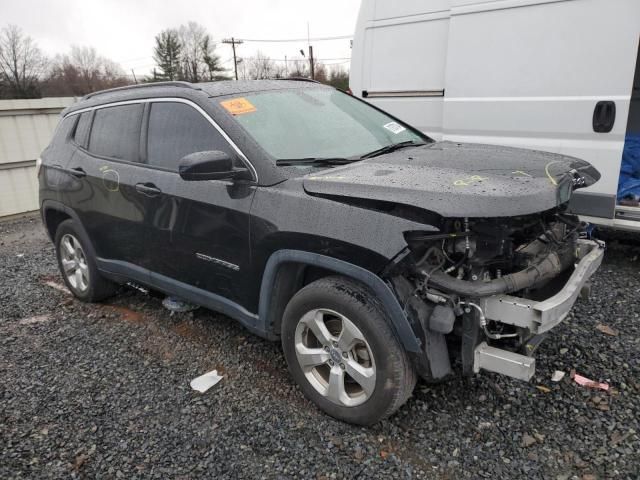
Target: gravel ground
<point x="103" y="391"/>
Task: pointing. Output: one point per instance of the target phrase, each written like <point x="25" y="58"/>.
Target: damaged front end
<point x="486" y="291"/>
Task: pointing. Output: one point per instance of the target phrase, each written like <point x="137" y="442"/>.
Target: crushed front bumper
<point x="536" y="316"/>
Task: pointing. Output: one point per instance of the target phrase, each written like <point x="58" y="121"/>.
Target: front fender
<point x="383" y="292"/>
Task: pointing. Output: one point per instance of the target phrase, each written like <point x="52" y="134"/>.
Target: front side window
<point x="177" y="130"/>
<point x="316" y="123"/>
<point x="116" y="132"/>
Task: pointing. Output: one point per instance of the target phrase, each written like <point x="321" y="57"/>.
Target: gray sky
<point x="124" y="30"/>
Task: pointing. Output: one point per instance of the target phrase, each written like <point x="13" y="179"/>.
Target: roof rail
<point x="143" y="85"/>
<point x="299" y="79"/>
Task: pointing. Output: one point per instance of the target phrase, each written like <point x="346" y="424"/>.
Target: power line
<point x="344" y="59"/>
<point x="325" y="61"/>
<point x="336" y="63"/>
<point x="284" y="40"/>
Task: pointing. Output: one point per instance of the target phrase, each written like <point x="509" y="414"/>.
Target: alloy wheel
<point x="335" y="357"/>
<point x="74" y="263"/>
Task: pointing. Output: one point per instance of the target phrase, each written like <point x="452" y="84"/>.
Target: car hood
<point x="460" y="180"/>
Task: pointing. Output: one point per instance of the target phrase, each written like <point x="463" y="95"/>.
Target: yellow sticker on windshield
<point x="238" y="106"/>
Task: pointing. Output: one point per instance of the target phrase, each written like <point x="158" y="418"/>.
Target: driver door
<point x="198" y="232"/>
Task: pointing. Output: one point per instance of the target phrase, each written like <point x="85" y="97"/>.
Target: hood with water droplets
<point x="460" y="180"/>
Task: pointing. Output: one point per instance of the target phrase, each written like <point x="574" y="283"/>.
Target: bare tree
<point x="191" y="36"/>
<point x="299" y="68"/>
<point x="83" y="71"/>
<point x="198" y="59"/>
<point x="260" y="66"/>
<point x="21" y="63"/>
<point x="279" y="71"/>
<point x="88" y="64"/>
<point x="339" y="78"/>
<point x="319" y="72"/>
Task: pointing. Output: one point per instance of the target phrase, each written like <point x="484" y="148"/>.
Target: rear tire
<point x="78" y="266"/>
<point x="342" y="352"/>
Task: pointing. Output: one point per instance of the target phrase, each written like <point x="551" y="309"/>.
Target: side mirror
<point x="210" y="165"/>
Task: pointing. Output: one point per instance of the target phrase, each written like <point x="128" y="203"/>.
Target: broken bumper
<point x="536" y="316"/>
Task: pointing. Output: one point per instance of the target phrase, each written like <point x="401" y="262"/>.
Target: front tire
<point x="341" y="351"/>
<point x="77" y="265"/>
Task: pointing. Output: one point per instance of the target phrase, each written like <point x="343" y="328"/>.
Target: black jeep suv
<point x="373" y="253"/>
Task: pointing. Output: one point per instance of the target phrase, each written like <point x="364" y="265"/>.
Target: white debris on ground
<point x="206" y="381"/>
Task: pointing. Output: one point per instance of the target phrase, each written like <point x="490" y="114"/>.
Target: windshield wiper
<point x="392" y="148"/>
<point x="313" y="161"/>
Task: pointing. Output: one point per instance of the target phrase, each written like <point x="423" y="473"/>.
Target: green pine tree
<point x="212" y="61"/>
<point x="167" y="53"/>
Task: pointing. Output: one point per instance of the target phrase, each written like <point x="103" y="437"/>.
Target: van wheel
<point x="341" y="351"/>
<point x="78" y="267"/>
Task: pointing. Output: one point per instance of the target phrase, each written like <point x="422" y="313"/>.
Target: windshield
<point x="316" y="123"/>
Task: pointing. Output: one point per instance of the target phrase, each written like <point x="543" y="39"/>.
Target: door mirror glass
<point x="209" y="165"/>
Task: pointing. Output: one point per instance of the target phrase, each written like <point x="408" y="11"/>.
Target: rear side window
<point x="116" y="132"/>
<point x="82" y="129"/>
<point x="176" y="130"/>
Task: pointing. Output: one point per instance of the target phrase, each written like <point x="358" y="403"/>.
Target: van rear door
<point x="399" y="57"/>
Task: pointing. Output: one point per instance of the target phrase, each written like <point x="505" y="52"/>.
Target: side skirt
<point x="124" y="271"/>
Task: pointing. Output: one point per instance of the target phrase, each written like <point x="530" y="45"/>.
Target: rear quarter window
<point x="81" y="136"/>
<point x="116" y="132"/>
<point x="63" y="130"/>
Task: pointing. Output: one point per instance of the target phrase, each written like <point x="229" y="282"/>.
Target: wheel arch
<point x="284" y="275"/>
<point x="52" y="217"/>
<point x="54" y="213"/>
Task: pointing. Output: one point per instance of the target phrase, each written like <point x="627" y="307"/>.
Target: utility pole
<point x="311" y="67"/>
<point x="233" y="43"/>
<point x="134" y="76"/>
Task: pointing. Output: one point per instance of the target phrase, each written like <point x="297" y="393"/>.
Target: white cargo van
<point x="554" y="75"/>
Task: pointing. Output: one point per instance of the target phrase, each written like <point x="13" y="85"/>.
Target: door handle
<point x="604" y="116"/>
<point x="148" y="189"/>
<point x="78" y="172"/>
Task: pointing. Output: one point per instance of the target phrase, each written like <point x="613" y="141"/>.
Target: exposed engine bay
<point x="448" y="276"/>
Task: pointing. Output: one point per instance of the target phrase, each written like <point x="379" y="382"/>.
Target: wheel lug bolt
<point x="331" y="363"/>
<point x="326" y="348"/>
<point x="342" y="366"/>
<point x="335" y="344"/>
<point x="345" y="355"/>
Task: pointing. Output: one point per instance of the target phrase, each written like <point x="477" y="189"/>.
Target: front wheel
<point x="342" y="352"/>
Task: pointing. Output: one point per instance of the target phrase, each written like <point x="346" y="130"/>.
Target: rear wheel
<point x="77" y="265"/>
<point x="341" y="351"/>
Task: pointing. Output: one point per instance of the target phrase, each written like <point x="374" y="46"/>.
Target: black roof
<point x="188" y="90"/>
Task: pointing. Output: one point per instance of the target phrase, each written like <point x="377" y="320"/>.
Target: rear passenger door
<point x="107" y="168"/>
<point x="199" y="230"/>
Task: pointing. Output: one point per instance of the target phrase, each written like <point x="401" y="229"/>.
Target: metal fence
<point x="26" y="127"/>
